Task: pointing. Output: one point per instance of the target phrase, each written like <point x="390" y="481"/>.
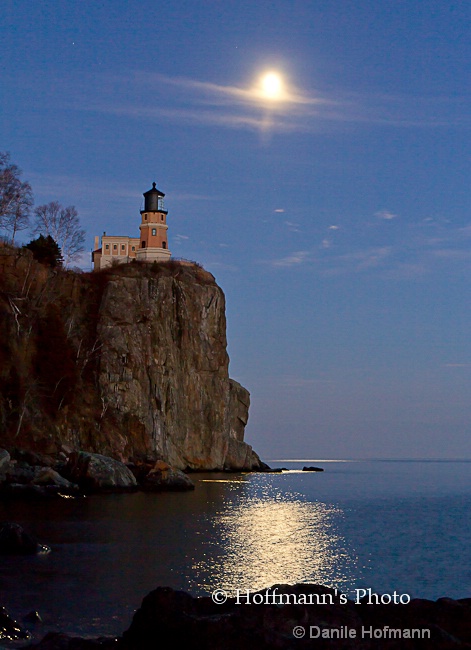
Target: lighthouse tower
<point x="154" y="242"/>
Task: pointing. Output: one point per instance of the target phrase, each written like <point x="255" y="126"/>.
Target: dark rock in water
<point x="20" y="473"/>
<point x="33" y="617"/>
<point x="11" y="630"/>
<point x="140" y="470"/>
<point x="313" y="469"/>
<point x="59" y="641"/>
<point x="4" y="460"/>
<point x="33" y="458"/>
<point x="49" y="476"/>
<point x="163" y="477"/>
<point x="96" y="472"/>
<point x="14" y="540"/>
<point x="32" y="492"/>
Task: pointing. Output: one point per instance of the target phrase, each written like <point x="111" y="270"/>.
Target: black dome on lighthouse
<point x="153" y="200"/>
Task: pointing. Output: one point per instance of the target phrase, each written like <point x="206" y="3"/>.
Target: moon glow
<point x="272" y="85"/>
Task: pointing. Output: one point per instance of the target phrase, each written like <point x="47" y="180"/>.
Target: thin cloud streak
<point x="246" y="95"/>
<point x="294" y="259"/>
<point x="192" y="101"/>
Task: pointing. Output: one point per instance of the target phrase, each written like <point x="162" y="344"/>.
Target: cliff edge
<point x="129" y="362"/>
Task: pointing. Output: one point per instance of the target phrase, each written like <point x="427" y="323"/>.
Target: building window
<point x="154" y="231"/>
<point x="164" y="244"/>
<point x="123" y="247"/>
<point x="115" y="247"/>
<point x="133" y="248"/>
<point x="107" y="246"/>
<point x="143" y="244"/>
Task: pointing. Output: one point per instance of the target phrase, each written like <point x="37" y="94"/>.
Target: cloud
<point x="279" y="210"/>
<point x="294" y="259"/>
<point x="412" y="252"/>
<point x="386" y="215"/>
<point x="457" y="365"/>
<point x="153" y="97"/>
<point x="292" y="227"/>
<point x="406" y="271"/>
<point x="334" y="227"/>
<point x="192" y="101"/>
<point x="452" y="253"/>
<point x="248" y="95"/>
<point x="178" y="239"/>
<point x="67" y="184"/>
<point x="368" y="258"/>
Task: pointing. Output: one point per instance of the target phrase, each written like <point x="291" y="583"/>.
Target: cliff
<point x="130" y="362"/>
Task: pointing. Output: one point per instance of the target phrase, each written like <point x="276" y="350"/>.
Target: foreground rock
<point x="30" y="481"/>
<point x="163" y="478"/>
<point x="11" y="630"/>
<point x="177" y="620"/>
<point x="95" y="472"/>
<point x="14" y="540"/>
<point x="4" y="460"/>
<point x="200" y="624"/>
<point x="58" y="641"/>
<point x="89" y="473"/>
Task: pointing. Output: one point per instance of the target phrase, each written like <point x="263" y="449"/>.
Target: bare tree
<point x="16" y="198"/>
<point x="63" y="225"/>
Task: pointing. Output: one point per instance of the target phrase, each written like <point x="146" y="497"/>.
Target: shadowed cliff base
<point x="129" y="362"/>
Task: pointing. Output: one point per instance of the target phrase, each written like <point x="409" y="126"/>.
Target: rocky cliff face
<point x="130" y="362"/>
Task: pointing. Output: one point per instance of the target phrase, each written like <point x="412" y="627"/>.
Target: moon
<point x="272" y="85"/>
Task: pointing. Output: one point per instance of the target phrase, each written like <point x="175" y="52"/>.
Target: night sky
<point x="333" y="211"/>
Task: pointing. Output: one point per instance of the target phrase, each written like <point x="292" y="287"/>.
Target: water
<point x="388" y="525"/>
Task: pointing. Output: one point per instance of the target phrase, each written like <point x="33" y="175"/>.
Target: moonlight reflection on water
<point x="259" y="541"/>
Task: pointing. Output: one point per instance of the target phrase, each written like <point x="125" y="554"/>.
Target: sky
<point x="334" y="212"/>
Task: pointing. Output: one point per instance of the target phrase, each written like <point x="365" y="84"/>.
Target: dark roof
<point x="154" y="190"/>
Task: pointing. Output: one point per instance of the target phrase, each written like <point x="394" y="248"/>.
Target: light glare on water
<point x="257" y="542"/>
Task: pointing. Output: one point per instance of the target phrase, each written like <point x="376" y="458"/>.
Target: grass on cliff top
<point x="177" y="268"/>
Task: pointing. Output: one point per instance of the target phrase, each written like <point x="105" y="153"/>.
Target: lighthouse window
<point x="143" y="244"/>
<point x="145" y="217"/>
<point x="154" y="231"/>
<point x="161" y="217"/>
<point x="164" y="244"/>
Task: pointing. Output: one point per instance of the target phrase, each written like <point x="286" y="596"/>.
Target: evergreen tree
<point x="46" y="251"/>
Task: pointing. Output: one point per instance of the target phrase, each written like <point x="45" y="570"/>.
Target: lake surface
<point x="386" y="525"/>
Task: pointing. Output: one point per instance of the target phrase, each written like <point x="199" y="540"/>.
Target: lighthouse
<point x="151" y="246"/>
<point x="154" y="241"/>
